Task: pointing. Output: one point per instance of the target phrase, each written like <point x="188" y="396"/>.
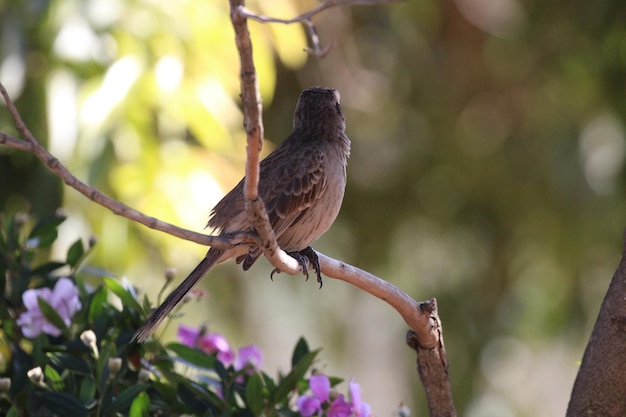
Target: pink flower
<point x="63" y="298"/>
<point x="339" y="408"/>
<point x="248" y="355"/>
<point x="308" y="405"/>
<point x="359" y="408"/>
<point x="211" y="343"/>
<point x="320" y="387"/>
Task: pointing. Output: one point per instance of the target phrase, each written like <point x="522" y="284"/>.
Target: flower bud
<point x="114" y="364"/>
<point x="89" y="339"/>
<point x="144" y="376"/>
<point x="170" y="274"/>
<point x="93" y="240"/>
<point x="36" y="375"/>
<point x="5" y="385"/>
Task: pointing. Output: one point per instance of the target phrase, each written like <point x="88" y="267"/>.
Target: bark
<point x="600" y="387"/>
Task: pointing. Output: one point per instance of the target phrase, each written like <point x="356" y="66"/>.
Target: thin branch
<point x="316" y="10"/>
<point x="306" y="18"/>
<point x="32" y="145"/>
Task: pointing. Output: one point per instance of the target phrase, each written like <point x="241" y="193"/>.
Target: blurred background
<point x="487" y="171"/>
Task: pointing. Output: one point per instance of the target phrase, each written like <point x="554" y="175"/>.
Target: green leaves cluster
<point x="82" y="374"/>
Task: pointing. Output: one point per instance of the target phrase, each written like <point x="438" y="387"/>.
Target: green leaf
<point x="125" y="399"/>
<point x="254" y="394"/>
<point x="128" y="300"/>
<point x="290" y="381"/>
<point x="75" y="253"/>
<point x="53" y="378"/>
<point x="140" y="406"/>
<point x="97" y="304"/>
<point x="45" y="232"/>
<point x="192" y="356"/>
<point x="70" y="363"/>
<point x="301" y="349"/>
<point x="52" y="316"/>
<point x="63" y="404"/>
<point x="45" y="269"/>
<point x="13" y="412"/>
<point x="87" y="390"/>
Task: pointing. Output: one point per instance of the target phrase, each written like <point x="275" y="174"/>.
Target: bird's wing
<point x="291" y="187"/>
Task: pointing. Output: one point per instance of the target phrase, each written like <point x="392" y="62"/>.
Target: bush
<point x="64" y="348"/>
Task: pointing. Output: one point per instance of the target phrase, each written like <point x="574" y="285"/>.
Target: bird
<point x="302" y="184"/>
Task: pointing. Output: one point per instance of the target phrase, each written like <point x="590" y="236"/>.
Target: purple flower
<point x="320" y="387"/>
<point x="63" y="298"/>
<point x="308" y="405"/>
<point x="359" y="408"/>
<point x="211" y="343"/>
<point x="339" y="408"/>
<point x="248" y="355"/>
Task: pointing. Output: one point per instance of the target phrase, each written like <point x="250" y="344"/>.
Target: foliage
<point x="66" y="351"/>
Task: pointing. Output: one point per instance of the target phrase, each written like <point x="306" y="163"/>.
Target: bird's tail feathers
<point x="212" y="257"/>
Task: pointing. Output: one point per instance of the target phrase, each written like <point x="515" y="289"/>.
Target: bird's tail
<point x="212" y="257"/>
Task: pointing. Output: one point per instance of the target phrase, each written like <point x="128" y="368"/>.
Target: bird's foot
<point x="305" y="257"/>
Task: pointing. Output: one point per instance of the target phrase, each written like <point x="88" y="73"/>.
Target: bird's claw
<point x="305" y="258"/>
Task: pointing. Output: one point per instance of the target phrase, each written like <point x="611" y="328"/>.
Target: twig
<point x="32" y="145"/>
<point x="306" y="17"/>
<point x="243" y="11"/>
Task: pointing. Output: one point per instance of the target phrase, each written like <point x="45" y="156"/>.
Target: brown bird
<point x="301" y="182"/>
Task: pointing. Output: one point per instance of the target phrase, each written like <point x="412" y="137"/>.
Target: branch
<point x="599" y="386"/>
<point x="32" y="145"/>
<point x="306" y="17"/>
<point x="425" y="336"/>
<point x="253" y="123"/>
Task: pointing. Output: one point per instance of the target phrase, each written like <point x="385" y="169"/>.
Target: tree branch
<point x="306" y="18"/>
<point x="599" y="386"/>
<point x="32" y="145"/>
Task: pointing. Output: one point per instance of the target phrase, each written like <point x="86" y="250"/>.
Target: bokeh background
<point x="487" y="171"/>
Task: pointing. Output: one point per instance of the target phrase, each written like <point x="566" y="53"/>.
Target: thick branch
<point x="599" y="386"/>
<point x="252" y="110"/>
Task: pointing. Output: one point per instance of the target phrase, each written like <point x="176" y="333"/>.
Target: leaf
<point x="63" y="404"/>
<point x="192" y="356"/>
<point x="290" y="381"/>
<point x="87" y="390"/>
<point x="52" y="316"/>
<point x="45" y="232"/>
<point x="97" y="304"/>
<point x="301" y="349"/>
<point x="125" y="399"/>
<point x="254" y="394"/>
<point x="53" y="378"/>
<point x="75" y="253"/>
<point x="128" y="300"/>
<point x="140" y="406"/>
<point x="71" y="363"/>
<point x="45" y="269"/>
